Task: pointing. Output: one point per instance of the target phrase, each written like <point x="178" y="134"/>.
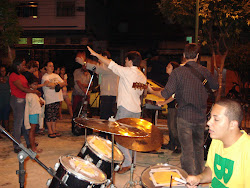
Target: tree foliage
<point x="9" y="26"/>
<point x="221" y="22"/>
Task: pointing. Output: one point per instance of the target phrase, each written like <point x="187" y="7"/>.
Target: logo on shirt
<point x="223" y="169"/>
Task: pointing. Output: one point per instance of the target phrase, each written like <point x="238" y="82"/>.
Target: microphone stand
<point x="85" y="102"/>
<point x="22" y="155"/>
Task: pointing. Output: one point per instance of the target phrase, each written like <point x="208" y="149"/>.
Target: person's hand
<point x="46" y="83"/>
<point x="92" y="52"/>
<point x="150" y="90"/>
<point x="192" y="181"/>
<point x="160" y="103"/>
<point x="38" y="93"/>
<point x="41" y="102"/>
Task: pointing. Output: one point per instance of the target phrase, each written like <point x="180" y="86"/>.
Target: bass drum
<point x="77" y="173"/>
<point x="98" y="151"/>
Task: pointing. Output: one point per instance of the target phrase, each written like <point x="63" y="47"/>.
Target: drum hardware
<point x="141" y="144"/>
<point x="114" y="128"/>
<point x="83" y="111"/>
<point x="146" y="182"/>
<point x="22" y="155"/>
<point x="97" y="150"/>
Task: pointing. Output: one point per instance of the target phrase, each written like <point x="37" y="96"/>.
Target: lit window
<point x="37" y="40"/>
<point x="27" y="9"/>
<point x="22" y="41"/>
<point x="189" y="39"/>
<point x="65" y="8"/>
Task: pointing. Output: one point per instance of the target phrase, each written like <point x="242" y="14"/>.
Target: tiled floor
<point x="37" y="177"/>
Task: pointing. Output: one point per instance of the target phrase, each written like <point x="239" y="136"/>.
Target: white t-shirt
<point x="128" y="97"/>
<point x="50" y="95"/>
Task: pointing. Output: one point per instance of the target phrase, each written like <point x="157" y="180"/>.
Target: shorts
<point x="34" y="118"/>
<point x="52" y="111"/>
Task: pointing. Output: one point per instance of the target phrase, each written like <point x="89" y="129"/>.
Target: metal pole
<point x="197" y="21"/>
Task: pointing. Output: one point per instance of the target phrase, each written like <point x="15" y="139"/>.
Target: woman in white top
<point x="53" y="96"/>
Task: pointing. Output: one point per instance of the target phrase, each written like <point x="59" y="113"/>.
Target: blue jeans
<point x="124" y="113"/>
<point x="18" y="106"/>
<point x="191" y="137"/>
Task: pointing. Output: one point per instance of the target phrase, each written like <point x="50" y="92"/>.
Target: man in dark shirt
<point x="191" y="96"/>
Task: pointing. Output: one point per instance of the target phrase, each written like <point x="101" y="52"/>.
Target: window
<point x="189" y="39"/>
<point x="65" y="9"/>
<point x="37" y="40"/>
<point x="27" y="9"/>
<point x="22" y="41"/>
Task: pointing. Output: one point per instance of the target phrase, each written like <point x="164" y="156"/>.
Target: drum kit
<point x="98" y="159"/>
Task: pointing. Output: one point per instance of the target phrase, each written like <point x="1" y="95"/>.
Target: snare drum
<point x="77" y="173"/>
<point x="147" y="176"/>
<point x="98" y="151"/>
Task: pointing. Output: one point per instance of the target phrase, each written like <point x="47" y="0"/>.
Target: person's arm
<point x="83" y="87"/>
<point x="204" y="177"/>
<point x="19" y="85"/>
<point x="154" y="92"/>
<point x="103" y="59"/>
<point x="161" y="103"/>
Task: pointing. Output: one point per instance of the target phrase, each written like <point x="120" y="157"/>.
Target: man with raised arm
<point x="128" y="100"/>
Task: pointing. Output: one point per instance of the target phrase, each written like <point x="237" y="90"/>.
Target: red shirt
<point x="14" y="90"/>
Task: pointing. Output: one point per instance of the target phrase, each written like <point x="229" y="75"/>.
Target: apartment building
<point x="51" y="29"/>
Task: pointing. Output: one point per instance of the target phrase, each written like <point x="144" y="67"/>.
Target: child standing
<point x="34" y="113"/>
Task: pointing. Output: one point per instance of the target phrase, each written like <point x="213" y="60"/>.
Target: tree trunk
<point x="219" y="66"/>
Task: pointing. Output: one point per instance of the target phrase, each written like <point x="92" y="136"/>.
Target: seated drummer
<point x="228" y="163"/>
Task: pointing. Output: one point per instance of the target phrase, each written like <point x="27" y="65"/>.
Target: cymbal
<point x="145" y="144"/>
<point x="112" y="127"/>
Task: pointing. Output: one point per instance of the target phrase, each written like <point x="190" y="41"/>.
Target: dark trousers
<point x="107" y="109"/>
<point x="191" y="137"/>
<point x="172" y="128"/>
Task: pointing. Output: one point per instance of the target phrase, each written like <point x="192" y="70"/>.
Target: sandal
<point x="53" y="135"/>
<point x="57" y="134"/>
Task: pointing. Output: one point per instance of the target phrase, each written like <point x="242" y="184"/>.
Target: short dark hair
<point x="233" y="111"/>
<point x="174" y="64"/>
<point x="106" y="53"/>
<point x="32" y="79"/>
<point x="191" y="50"/>
<point x="16" y="62"/>
<point x="135" y="57"/>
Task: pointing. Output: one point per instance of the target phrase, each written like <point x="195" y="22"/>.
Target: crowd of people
<point x="36" y="97"/>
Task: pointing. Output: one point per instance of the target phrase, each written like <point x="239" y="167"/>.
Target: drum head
<point x="82" y="169"/>
<point x="103" y="149"/>
<point x="146" y="177"/>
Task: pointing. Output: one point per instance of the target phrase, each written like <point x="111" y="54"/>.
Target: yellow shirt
<point x="230" y="166"/>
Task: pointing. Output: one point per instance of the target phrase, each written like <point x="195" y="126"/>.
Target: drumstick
<point x="171" y="178"/>
<point x="180" y="180"/>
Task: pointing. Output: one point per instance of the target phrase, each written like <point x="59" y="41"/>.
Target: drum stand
<point x="84" y="106"/>
<point x="132" y="183"/>
<point x="22" y="155"/>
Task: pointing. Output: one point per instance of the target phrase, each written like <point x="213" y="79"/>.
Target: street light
<point x="197" y="21"/>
